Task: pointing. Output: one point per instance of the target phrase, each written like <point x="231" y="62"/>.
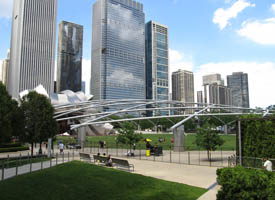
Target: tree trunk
<point x="208" y="154"/>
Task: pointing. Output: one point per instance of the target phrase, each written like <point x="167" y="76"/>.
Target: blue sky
<point x="205" y="36"/>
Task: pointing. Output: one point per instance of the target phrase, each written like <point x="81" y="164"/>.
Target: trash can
<point x="148" y="152"/>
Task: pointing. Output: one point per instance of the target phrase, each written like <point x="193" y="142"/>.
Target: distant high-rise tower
<point x="5" y="68"/>
<point x="214" y="90"/>
<point x="157" y="62"/>
<point x="212" y="78"/>
<point x="118" y="50"/>
<point x="32" y="45"/>
<point x="70" y="40"/>
<point x="183" y="87"/>
<point x="199" y="98"/>
<point x="217" y="94"/>
<point x="238" y="82"/>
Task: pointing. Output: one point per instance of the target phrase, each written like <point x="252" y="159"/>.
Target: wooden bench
<point x="122" y="164"/>
<point x="85" y="156"/>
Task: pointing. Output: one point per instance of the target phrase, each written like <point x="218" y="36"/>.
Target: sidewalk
<point x="199" y="176"/>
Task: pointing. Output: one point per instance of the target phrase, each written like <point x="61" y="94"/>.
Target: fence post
<point x="16" y="169"/>
<point x="3" y="170"/>
<point x="210" y="158"/>
<point x="179" y="154"/>
<point x="63" y="157"/>
<point x="8" y="158"/>
<point x="41" y="163"/>
<point x="188" y="157"/>
<point x="139" y="152"/>
<point x="221" y="157"/>
<point x="68" y="156"/>
<point x="199" y="156"/>
<point x="170" y="154"/>
<point x="31" y="164"/>
<point x="56" y="158"/>
<point x="73" y="155"/>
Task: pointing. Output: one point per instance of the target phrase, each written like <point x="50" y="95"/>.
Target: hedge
<point x="8" y="145"/>
<point x="14" y="149"/>
<point x="257" y="136"/>
<point x="240" y="183"/>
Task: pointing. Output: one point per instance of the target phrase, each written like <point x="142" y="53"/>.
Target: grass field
<point x="82" y="181"/>
<point x="189" y="142"/>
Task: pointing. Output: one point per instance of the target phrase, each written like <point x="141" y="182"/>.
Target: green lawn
<point x="82" y="181"/>
<point x="189" y="142"/>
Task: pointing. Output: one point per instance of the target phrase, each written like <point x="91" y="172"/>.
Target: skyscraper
<point x="238" y="82"/>
<point x="183" y="87"/>
<point x="5" y="68"/>
<point x="32" y="45"/>
<point x="118" y="50"/>
<point x="70" y="42"/>
<point x="212" y="78"/>
<point x="157" y="62"/>
<point x="217" y="94"/>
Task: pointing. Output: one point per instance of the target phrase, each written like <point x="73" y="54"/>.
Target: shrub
<point x="14" y="149"/>
<point x="241" y="183"/>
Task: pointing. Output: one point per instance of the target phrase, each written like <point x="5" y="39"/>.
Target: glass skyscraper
<point x="118" y="50"/>
<point x="70" y="40"/>
<point x="157" y="62"/>
<point x="238" y="82"/>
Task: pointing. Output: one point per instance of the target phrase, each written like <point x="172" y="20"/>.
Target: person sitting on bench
<point x="109" y="162"/>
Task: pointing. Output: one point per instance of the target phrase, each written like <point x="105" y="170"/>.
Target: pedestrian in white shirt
<point x="61" y="147"/>
<point x="268" y="164"/>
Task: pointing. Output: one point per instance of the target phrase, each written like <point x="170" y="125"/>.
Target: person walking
<point x="268" y="164"/>
<point x="61" y="147"/>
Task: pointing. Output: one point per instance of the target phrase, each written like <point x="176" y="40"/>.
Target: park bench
<point x="122" y="164"/>
<point x="100" y="159"/>
<point x="85" y="156"/>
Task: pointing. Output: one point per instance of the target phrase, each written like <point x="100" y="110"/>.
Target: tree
<point x="10" y="117"/>
<point x="127" y="134"/>
<point x="208" y="138"/>
<point x="39" y="122"/>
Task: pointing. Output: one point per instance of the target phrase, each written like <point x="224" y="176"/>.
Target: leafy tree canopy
<point x="127" y="134"/>
<point x="208" y="138"/>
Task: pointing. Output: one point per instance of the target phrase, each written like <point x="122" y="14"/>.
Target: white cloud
<point x="261" y="32"/>
<point x="178" y="60"/>
<point x="260" y="79"/>
<point x="6" y="8"/>
<point x="86" y="74"/>
<point x="272" y="8"/>
<point x="222" y="16"/>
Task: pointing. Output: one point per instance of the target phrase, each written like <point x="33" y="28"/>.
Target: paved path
<point x="200" y="176"/>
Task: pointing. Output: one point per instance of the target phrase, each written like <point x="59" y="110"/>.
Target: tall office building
<point x="213" y="78"/>
<point x="217" y="94"/>
<point x="70" y="42"/>
<point x="183" y="87"/>
<point x="118" y="50"/>
<point x="199" y="98"/>
<point x="238" y="82"/>
<point x="157" y="63"/>
<point x="5" y="68"/>
<point x="32" y="45"/>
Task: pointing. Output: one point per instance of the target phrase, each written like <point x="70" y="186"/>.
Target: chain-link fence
<point x="248" y="162"/>
<point x="190" y="155"/>
<point x="13" y="165"/>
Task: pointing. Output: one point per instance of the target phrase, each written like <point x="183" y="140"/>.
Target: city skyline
<point x="201" y="39"/>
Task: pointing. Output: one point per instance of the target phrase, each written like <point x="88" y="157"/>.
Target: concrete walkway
<point x="199" y="176"/>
